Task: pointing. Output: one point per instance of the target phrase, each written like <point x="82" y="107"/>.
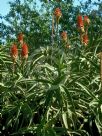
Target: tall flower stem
<point x="52" y="29"/>
<point x="57" y="33"/>
<point x="101" y="68"/>
<point x="13" y="67"/>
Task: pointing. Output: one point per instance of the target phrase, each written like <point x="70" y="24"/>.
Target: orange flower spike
<point x="86" y="20"/>
<point x="64" y="36"/>
<point x="14" y="52"/>
<point x="57" y="13"/>
<point x="80" y="23"/>
<point x="85" y="40"/>
<point x="24" y="52"/>
<point x="20" y="38"/>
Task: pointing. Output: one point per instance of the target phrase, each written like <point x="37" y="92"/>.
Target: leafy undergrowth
<point x="57" y="92"/>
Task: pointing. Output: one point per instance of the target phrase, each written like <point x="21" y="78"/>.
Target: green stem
<point x="57" y="32"/>
<point x="101" y="68"/>
<point x="52" y="29"/>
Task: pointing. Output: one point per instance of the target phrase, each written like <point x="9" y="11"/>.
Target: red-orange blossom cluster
<point x="82" y="24"/>
<point x="24" y="48"/>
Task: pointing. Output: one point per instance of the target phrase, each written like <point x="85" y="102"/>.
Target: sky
<point x="4" y="6"/>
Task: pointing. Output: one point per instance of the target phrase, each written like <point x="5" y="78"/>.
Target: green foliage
<point x="58" y="90"/>
<point x="54" y="93"/>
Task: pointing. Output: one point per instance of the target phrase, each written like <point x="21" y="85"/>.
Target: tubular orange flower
<point x="85" y="39"/>
<point x="20" y="38"/>
<point x="64" y="36"/>
<point x="14" y="52"/>
<point x="86" y="20"/>
<point x="80" y="23"/>
<point x="57" y="13"/>
<point x="24" y="52"/>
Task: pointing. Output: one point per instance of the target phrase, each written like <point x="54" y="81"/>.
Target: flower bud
<point x="57" y="13"/>
<point x="80" y="23"/>
<point x="86" y="20"/>
<point x="20" y="38"/>
<point x="14" y="52"/>
<point x="24" y="51"/>
<point x="85" y="39"/>
<point x="68" y="46"/>
<point x="64" y="36"/>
